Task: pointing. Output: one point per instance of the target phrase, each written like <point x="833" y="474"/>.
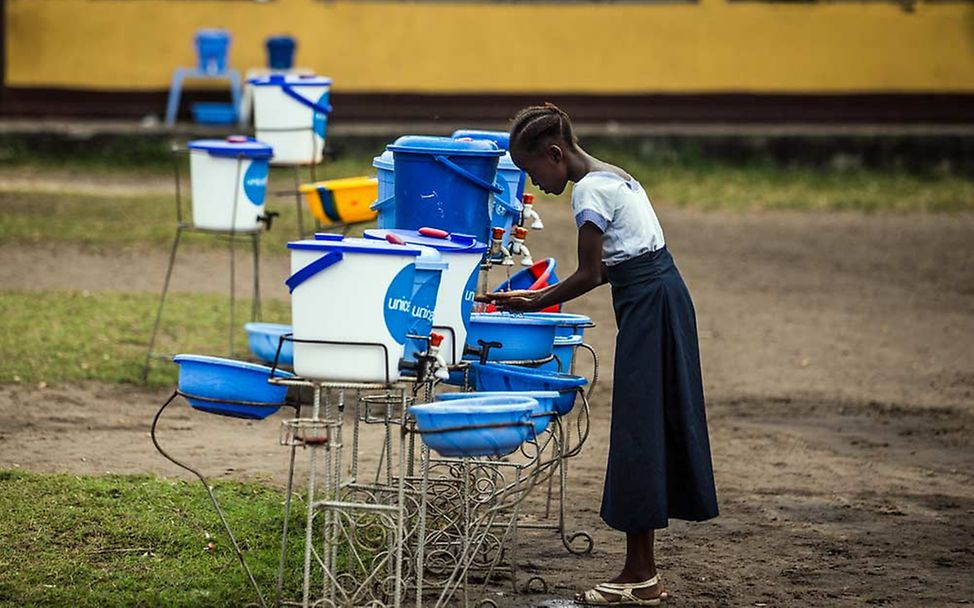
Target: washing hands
<point x="520" y="300"/>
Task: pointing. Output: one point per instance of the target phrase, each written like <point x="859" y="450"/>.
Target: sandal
<point x="623" y="593"/>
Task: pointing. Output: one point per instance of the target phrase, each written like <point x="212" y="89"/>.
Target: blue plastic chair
<point x="212" y="47"/>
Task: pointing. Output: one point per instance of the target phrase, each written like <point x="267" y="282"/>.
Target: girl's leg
<point x="640" y="561"/>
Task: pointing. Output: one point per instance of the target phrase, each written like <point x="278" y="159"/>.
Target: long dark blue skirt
<point x="659" y="450"/>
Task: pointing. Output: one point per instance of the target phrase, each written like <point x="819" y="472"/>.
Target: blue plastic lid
<point x="234" y="146"/>
<point x="506" y="318"/>
<point x="431" y="237"/>
<point x="384" y="161"/>
<point x="422" y="144"/>
<point x="292" y="80"/>
<point x="501" y="138"/>
<point x="430" y="259"/>
<point x="337" y="242"/>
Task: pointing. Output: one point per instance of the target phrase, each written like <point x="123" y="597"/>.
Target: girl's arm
<point x="589" y="275"/>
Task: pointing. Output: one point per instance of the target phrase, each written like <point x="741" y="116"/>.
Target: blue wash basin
<point x="227" y="382"/>
<point x="499" y="425"/>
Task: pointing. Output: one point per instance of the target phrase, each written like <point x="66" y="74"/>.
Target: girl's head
<point x="541" y="137"/>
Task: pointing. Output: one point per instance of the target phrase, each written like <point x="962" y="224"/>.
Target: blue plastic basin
<point x="569" y="324"/>
<point x="499" y="377"/>
<point x="229" y="381"/>
<point x="523" y="337"/>
<point x="564" y="351"/>
<point x="541" y="416"/>
<point x="263" y="339"/>
<point x="214" y="113"/>
<point x="511" y="415"/>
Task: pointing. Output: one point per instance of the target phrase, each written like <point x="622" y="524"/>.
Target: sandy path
<point x="838" y="363"/>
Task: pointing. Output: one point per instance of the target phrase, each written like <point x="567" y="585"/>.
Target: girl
<point x="659" y="452"/>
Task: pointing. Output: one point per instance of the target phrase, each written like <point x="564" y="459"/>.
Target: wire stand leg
<point x="209" y="491"/>
<point x="255" y="312"/>
<point x="162" y="301"/>
<point x="297" y="200"/>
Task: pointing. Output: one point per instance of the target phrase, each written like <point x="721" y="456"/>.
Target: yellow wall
<point x="470" y="47"/>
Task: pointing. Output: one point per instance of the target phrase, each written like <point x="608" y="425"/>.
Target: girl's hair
<point x="533" y="125"/>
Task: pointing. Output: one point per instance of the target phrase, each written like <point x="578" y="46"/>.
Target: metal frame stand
<point x="232" y="236"/>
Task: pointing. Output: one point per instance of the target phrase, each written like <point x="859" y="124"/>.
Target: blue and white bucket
<point x="228" y="180"/>
<point x="291" y="114"/>
<point x="454" y="304"/>
<point x="357" y="295"/>
<point x="445" y="183"/>
<point x="385" y="202"/>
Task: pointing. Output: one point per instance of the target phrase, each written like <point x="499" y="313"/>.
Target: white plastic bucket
<point x="291" y="114"/>
<point x="458" y="284"/>
<point x="350" y="290"/>
<point x="228" y="182"/>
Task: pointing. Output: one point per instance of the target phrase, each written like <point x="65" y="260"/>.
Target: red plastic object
<point x="520" y="232"/>
<point x="498" y="232"/>
<point x="394" y="239"/>
<point x="236" y="139"/>
<point x="435" y="339"/>
<point x="434" y="233"/>
<point x="541" y="271"/>
<point x="527" y="198"/>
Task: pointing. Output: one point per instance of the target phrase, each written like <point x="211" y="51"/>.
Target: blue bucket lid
<point x="422" y="144"/>
<point x="430" y="237"/>
<point x="430" y="259"/>
<point x="338" y="242"/>
<point x="384" y="161"/>
<point x="234" y="146"/>
<point x="292" y="80"/>
<point x="501" y="138"/>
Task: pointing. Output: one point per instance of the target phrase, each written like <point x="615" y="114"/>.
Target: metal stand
<point x="232" y="236"/>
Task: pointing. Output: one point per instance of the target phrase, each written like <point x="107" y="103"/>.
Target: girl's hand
<point x="515" y="301"/>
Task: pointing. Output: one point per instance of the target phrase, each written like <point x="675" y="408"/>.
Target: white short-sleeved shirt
<point x="622" y="211"/>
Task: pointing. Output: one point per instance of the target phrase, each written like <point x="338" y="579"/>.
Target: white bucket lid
<point x="234" y="146"/>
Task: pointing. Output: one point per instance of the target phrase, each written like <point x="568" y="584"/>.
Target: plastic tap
<point x="497" y="248"/>
<point x="518" y="247"/>
<point x="440" y="370"/>
<point x="529" y="213"/>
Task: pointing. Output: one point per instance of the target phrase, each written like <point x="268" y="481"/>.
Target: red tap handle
<point x="436" y="339"/>
<point x="528" y="198"/>
<point x="498" y="233"/>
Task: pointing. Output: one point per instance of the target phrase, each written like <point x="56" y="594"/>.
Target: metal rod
<point x="209" y="491"/>
<point x="162" y="301"/>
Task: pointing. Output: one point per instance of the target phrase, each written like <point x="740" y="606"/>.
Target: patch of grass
<point x="62" y="336"/>
<point x="765" y="187"/>
<point x="137" y="541"/>
<point x="101" y="220"/>
<point x="113" y="219"/>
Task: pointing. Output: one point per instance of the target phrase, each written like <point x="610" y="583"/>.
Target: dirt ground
<point x="839" y="368"/>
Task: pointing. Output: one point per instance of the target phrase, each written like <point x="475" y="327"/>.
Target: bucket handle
<point x="329" y="259"/>
<point x="468" y="175"/>
<point x="304" y="100"/>
<point x="379" y="204"/>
